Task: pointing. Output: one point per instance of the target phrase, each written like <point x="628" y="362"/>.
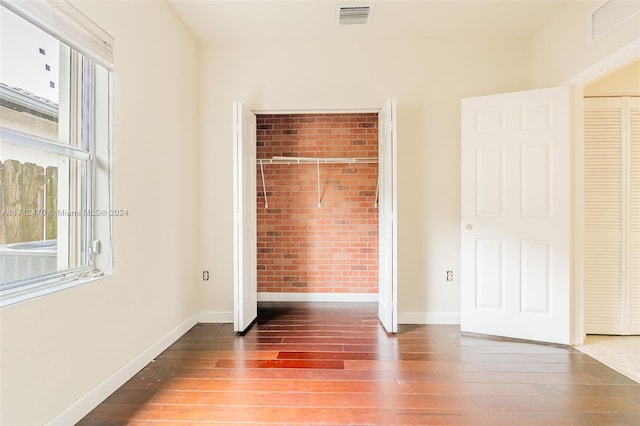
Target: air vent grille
<point x="353" y="15"/>
<point x="610" y="14"/>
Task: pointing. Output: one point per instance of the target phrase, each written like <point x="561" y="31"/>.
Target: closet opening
<point x="611" y="164"/>
<point x="317" y="207"/>
<point x="610" y="221"/>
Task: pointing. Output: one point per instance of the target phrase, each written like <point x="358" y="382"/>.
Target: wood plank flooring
<point x="333" y="364"/>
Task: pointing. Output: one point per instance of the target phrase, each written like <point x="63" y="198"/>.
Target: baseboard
<point x="76" y="411"/>
<point x="428" y="318"/>
<point x="215" y="317"/>
<point x="317" y="297"/>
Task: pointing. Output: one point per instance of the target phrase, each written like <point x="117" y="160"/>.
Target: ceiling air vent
<point x="350" y="15"/>
<point x="610" y="14"/>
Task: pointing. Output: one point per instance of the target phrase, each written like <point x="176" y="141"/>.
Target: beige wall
<point x="428" y="79"/>
<point x="562" y="48"/>
<point x="623" y="82"/>
<point x="57" y="348"/>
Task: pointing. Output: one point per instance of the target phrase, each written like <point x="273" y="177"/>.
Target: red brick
<point x="303" y="248"/>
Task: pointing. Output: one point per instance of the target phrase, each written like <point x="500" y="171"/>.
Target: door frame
<point x="377" y="110"/>
<point x="606" y="65"/>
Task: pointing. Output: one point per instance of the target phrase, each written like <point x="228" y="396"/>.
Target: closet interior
<point x="317" y="214"/>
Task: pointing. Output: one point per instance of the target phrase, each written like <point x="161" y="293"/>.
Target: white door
<point x="245" y="281"/>
<point x="515" y="215"/>
<point x="612" y="215"/>
<point x="387" y="212"/>
<point x="604" y="215"/>
<point x="633" y="254"/>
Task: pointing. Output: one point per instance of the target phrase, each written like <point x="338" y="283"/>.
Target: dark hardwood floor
<point x="333" y="364"/>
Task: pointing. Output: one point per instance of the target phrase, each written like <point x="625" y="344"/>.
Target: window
<point x="55" y="137"/>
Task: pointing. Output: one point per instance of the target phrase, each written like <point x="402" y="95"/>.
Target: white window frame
<point x="90" y="128"/>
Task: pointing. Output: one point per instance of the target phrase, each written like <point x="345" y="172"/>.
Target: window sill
<point x="26" y="293"/>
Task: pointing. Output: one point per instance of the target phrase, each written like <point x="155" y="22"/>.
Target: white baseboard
<point x="428" y="318"/>
<point x="76" y="411"/>
<point x="317" y="297"/>
<point x="215" y="317"/>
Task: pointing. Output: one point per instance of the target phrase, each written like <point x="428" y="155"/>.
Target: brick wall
<point x="303" y="248"/>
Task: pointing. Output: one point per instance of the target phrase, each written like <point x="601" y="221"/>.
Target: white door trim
<point x="285" y="297"/>
<point x="318" y="111"/>
<point x="613" y="61"/>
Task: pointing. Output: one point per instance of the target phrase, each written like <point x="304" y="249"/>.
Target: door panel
<point x="387" y="208"/>
<point x="536" y="179"/>
<point x="515" y="215"/>
<point x="490" y="274"/>
<point x="490" y="184"/>
<point x="536" y="282"/>
<point x="245" y="218"/>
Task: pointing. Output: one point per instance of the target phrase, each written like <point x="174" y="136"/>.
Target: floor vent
<point x="353" y="15"/>
<point x="611" y="14"/>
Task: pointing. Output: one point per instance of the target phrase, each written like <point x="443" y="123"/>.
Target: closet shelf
<point x="317" y="160"/>
<point x="312" y="160"/>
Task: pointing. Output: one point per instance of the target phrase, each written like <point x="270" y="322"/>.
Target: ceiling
<point x="213" y="21"/>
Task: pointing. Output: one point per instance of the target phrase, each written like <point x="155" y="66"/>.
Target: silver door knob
<point x="469" y="227"/>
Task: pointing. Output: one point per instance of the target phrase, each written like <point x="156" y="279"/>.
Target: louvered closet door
<point x="612" y="215"/>
<point x="603" y="215"/>
<point x="634" y="216"/>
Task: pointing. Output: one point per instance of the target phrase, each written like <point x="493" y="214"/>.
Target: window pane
<point x="35" y="80"/>
<point x="43" y="222"/>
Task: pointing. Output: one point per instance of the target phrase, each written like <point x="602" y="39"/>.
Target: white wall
<point x="562" y="48"/>
<point x="57" y="348"/>
<point x="623" y="82"/>
<point x="428" y="79"/>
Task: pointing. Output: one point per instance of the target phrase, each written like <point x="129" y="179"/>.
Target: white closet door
<point x="387" y="210"/>
<point x="634" y="216"/>
<point x="603" y="215"/>
<point x="245" y="286"/>
<point x="612" y="215"/>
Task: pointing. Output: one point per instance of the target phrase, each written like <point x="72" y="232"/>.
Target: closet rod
<point x="316" y="160"/>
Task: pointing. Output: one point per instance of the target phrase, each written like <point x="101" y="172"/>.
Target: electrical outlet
<point x="205" y="275"/>
<point x="449" y="275"/>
